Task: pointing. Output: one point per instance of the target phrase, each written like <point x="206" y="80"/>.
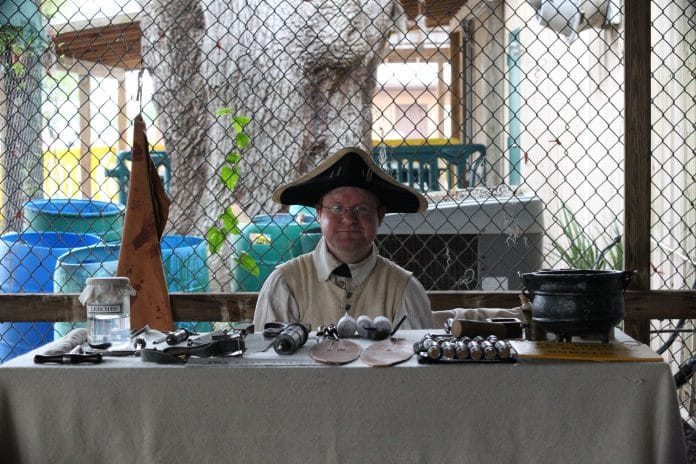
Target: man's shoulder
<point x="295" y="263"/>
<point x="393" y="267"/>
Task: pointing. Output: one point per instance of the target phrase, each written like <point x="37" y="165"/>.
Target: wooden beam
<point x="437" y="12"/>
<point x="122" y="120"/>
<point x="637" y="151"/>
<point x="442" y="90"/>
<point x="114" y="45"/>
<point x="85" y="88"/>
<point x="223" y="307"/>
<point x="96" y="70"/>
<point x="457" y="84"/>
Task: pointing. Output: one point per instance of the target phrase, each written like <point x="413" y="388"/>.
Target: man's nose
<point x="348" y="217"/>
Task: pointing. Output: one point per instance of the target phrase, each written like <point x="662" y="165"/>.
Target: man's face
<point x="349" y="219"/>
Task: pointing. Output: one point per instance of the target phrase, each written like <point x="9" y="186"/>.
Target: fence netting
<point x="508" y="116"/>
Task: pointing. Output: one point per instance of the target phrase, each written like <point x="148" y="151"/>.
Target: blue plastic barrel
<point x="185" y="263"/>
<point x="270" y="240"/>
<point x="185" y="270"/>
<point x="77" y="265"/>
<point x="100" y="218"/>
<point x="309" y="239"/>
<point x="297" y="210"/>
<point x="27" y="261"/>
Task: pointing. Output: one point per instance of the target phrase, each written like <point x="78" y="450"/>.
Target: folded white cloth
<point x="66" y="344"/>
<point x="475" y="314"/>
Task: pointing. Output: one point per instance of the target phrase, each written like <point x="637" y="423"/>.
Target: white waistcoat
<point x="322" y="303"/>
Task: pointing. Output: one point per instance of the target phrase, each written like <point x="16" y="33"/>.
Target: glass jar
<point x="107" y="300"/>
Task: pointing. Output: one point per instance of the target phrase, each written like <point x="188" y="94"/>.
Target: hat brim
<point x="351" y="167"/>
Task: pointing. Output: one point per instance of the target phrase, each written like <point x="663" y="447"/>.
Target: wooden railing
<point x="641" y="306"/>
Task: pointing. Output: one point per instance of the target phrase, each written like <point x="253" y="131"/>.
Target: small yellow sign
<point x="616" y="350"/>
<point x="260" y="239"/>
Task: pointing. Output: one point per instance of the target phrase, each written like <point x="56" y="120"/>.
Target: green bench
<point x="422" y="166"/>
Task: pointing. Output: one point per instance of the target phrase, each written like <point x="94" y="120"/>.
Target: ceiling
<point x="118" y="45"/>
<point x="437" y="12"/>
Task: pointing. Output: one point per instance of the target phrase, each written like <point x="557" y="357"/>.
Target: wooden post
<point x="85" y="136"/>
<point x="456" y="86"/>
<point x="122" y="119"/>
<point x="637" y="154"/>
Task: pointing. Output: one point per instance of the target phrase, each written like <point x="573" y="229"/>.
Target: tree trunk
<point x="303" y="71"/>
<point x="172" y="32"/>
<point x="171" y="49"/>
<point x="21" y="161"/>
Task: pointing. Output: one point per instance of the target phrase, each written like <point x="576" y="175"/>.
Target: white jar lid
<point x="107" y="281"/>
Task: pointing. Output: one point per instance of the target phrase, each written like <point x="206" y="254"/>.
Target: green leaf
<point x="19" y="69"/>
<point x="249" y="264"/>
<point x="240" y="122"/>
<point x="216" y="238"/>
<point x="50" y="8"/>
<point x="233" y="157"/>
<point x="230" y="222"/>
<point x="242" y="139"/>
<point x="229" y="176"/>
<point x="223" y="111"/>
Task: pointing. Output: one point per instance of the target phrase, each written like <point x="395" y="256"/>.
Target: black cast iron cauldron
<point x="577" y="302"/>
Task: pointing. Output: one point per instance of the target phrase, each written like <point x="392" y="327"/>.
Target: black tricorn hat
<point x="351" y="167"/>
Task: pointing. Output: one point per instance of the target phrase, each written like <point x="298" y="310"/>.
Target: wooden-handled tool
<point x="68" y="358"/>
<point x="501" y="328"/>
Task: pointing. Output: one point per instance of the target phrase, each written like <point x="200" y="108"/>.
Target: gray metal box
<point x="469" y="244"/>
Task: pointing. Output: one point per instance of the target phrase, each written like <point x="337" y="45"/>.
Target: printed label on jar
<point x="105" y="309"/>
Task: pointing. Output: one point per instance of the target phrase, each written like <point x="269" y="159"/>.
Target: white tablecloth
<point x="266" y="408"/>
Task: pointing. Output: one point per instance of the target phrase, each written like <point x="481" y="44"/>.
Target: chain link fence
<point x="673" y="187"/>
<point x="507" y="115"/>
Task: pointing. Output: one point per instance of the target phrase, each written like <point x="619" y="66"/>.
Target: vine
<point x="10" y="37"/>
<point x="228" y="223"/>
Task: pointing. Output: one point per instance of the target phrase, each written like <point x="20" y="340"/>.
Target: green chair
<point x="462" y="158"/>
<point x="122" y="171"/>
<point x="412" y="165"/>
<point x="420" y="166"/>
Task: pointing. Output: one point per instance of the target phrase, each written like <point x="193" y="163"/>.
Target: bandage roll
<point x="460" y="350"/>
<point x="448" y="349"/>
<point x="346" y="327"/>
<point x="503" y="349"/>
<point x="364" y="323"/>
<point x="382" y="324"/>
<point x="489" y="351"/>
<point x="434" y="351"/>
<point x="475" y="352"/>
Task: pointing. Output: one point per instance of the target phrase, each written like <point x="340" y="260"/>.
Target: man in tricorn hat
<point x="345" y="274"/>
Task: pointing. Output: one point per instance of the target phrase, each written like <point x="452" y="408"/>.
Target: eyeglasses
<point x="360" y="211"/>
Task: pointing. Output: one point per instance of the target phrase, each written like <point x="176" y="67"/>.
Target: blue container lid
<point x="280" y="219"/>
<point x="171" y="242"/>
<point x="296" y="210"/>
<point x="49" y="241"/>
<point x="29" y="259"/>
<point x="74" y="207"/>
<point x="184" y="260"/>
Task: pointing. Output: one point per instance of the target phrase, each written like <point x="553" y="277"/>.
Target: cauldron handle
<point x="527" y="295"/>
<point x="525" y="291"/>
<point x="626" y="278"/>
<point x="522" y="277"/>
